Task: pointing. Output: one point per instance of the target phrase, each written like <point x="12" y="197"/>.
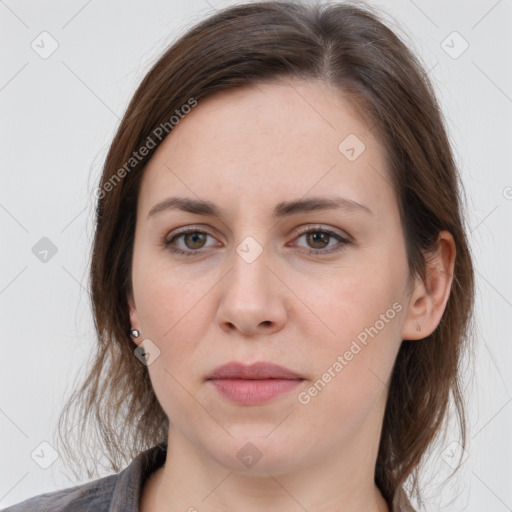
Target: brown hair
<point x="348" y="46"/>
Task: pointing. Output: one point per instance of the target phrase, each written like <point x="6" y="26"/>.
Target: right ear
<point x="134" y="317"/>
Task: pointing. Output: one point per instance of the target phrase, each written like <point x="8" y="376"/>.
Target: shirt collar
<point x="128" y="487"/>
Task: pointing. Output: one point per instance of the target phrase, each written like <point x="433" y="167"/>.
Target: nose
<point x="253" y="297"/>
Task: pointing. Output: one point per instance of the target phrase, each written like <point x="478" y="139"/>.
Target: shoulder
<point x="91" y="496"/>
<point x="114" y="493"/>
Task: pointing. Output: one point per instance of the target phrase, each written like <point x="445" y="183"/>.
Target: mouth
<point x="253" y="384"/>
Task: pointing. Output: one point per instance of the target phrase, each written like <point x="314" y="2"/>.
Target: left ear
<point x="428" y="300"/>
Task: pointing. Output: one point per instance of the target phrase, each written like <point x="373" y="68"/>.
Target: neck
<point x="342" y="481"/>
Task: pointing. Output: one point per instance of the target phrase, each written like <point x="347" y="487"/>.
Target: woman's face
<point x="253" y="287"/>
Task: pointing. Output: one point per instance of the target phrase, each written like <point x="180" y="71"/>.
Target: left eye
<point x="194" y="240"/>
<point x="322" y="237"/>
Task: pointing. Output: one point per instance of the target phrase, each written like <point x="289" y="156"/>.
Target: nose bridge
<point x="250" y="259"/>
<point x="250" y="296"/>
<point x="251" y="246"/>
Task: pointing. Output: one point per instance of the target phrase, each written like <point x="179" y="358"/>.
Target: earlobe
<point x="428" y="300"/>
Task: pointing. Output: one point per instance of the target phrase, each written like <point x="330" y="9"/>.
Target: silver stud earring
<point x="134" y="333"/>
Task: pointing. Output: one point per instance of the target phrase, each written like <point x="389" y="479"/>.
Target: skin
<point x="247" y="150"/>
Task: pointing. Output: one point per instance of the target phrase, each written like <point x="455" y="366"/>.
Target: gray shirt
<point x="121" y="492"/>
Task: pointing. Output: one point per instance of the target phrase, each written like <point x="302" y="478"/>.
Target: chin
<point x="254" y="452"/>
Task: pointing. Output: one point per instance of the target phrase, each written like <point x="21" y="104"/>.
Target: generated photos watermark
<point x="157" y="134"/>
<point x="361" y="341"/>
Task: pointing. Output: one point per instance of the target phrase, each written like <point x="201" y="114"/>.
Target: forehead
<point x="267" y="143"/>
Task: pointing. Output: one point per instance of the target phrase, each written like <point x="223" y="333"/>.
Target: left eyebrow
<point x="283" y="209"/>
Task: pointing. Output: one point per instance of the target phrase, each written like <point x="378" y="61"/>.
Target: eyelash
<point x="181" y="252"/>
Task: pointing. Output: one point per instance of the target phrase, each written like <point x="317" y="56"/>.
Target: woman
<point x="281" y="280"/>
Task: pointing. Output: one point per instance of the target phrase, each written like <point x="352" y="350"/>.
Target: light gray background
<point x="58" y="116"/>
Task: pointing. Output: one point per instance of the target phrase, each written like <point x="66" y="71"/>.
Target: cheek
<point x="350" y="304"/>
<point x="351" y="379"/>
<point x="175" y="321"/>
<point x="360" y="324"/>
<point x="170" y="303"/>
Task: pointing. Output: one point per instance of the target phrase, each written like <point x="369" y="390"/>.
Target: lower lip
<point x="252" y="392"/>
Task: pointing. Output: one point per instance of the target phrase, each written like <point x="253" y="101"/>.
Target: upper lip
<point x="259" y="370"/>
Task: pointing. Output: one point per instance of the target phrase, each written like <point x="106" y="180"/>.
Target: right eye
<point x="193" y="237"/>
